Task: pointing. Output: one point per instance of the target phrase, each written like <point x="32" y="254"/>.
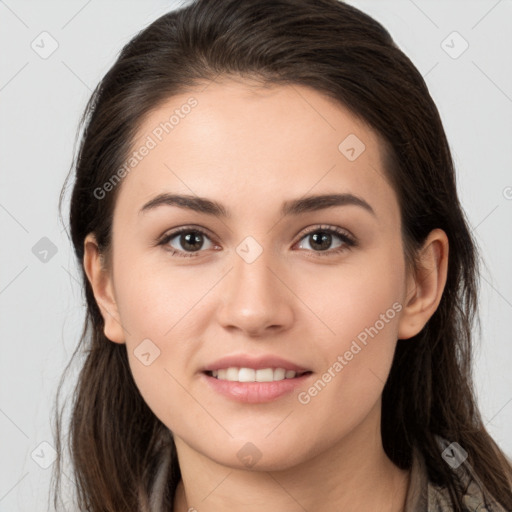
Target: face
<point x="269" y="280"/>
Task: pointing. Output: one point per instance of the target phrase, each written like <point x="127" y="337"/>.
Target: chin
<point x="260" y="455"/>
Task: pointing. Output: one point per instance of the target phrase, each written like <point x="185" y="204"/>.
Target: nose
<point x="254" y="298"/>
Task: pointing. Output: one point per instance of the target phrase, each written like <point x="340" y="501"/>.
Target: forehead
<point x="246" y="145"/>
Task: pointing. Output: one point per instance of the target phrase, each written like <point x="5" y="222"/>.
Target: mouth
<point x="252" y="378"/>
<point x="244" y="374"/>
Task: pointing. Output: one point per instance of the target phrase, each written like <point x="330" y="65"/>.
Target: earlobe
<point x="425" y="288"/>
<point x="101" y="282"/>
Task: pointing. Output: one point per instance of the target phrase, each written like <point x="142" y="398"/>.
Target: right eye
<point x="190" y="239"/>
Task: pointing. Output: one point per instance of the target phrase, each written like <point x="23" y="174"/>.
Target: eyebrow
<point x="292" y="207"/>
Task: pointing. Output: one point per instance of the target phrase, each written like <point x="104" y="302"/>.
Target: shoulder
<point x="425" y="496"/>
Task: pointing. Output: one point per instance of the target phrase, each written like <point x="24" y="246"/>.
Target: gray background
<point x="41" y="100"/>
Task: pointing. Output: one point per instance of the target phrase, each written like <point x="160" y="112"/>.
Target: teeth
<point x="232" y="374"/>
<point x="265" y="375"/>
<point x="279" y="373"/>
<point x="245" y="374"/>
<point x="250" y="375"/>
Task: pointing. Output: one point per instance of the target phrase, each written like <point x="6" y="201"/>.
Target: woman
<point x="280" y="280"/>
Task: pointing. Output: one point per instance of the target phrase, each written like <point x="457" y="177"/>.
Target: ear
<point x="102" y="286"/>
<point x="425" y="288"/>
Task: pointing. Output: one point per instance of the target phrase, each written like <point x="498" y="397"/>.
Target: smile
<point x="235" y="374"/>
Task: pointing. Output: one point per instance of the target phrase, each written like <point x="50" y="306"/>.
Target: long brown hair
<point x="115" y="441"/>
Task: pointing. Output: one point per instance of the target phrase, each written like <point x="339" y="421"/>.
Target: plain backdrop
<point x="53" y="53"/>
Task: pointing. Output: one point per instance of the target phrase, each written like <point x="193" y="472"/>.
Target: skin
<point x="251" y="148"/>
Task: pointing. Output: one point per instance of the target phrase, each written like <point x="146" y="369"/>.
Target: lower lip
<point x="255" y="392"/>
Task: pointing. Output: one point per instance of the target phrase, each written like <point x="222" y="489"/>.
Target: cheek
<point x="153" y="299"/>
<point x="354" y="296"/>
<point x="155" y="313"/>
<point x="361" y="308"/>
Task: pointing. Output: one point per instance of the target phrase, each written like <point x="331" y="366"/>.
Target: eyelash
<point x="348" y="241"/>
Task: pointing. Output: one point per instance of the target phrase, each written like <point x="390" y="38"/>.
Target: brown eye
<point x="320" y="240"/>
<point x="185" y="240"/>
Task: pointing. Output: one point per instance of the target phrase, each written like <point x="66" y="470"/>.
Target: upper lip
<point x="255" y="362"/>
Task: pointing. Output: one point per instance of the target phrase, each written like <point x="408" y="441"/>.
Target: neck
<point x="353" y="475"/>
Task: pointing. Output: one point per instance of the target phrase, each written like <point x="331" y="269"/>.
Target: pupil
<point x="325" y="240"/>
<point x="190" y="239"/>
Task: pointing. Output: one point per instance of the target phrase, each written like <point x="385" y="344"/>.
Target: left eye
<point x="321" y="238"/>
